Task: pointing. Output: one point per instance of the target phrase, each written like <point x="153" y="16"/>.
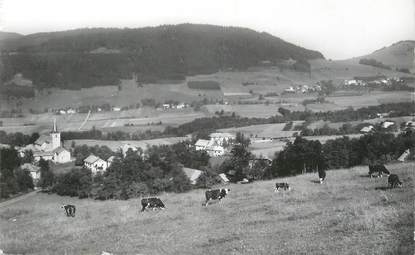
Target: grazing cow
<point x="394" y="181"/>
<point x="216" y="194"/>
<point x="321" y="175"/>
<point x="152" y="202"/>
<point x="70" y="210"/>
<point x="281" y="185"/>
<point x="380" y="169"/>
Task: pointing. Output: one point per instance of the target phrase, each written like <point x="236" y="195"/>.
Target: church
<point x="48" y="147"/>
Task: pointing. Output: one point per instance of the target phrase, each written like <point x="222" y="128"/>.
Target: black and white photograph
<point x="195" y="127"/>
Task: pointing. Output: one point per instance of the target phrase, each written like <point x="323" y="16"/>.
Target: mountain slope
<point x="9" y="36"/>
<point x="89" y="57"/>
<point x="398" y="55"/>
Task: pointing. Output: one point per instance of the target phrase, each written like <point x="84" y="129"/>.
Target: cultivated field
<point x="349" y="214"/>
<point x="115" y="145"/>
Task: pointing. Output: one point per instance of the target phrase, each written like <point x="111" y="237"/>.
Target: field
<point x="349" y="214"/>
<point x="268" y="148"/>
<point x="115" y="145"/>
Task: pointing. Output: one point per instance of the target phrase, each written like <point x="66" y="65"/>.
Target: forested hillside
<point x="90" y="57"/>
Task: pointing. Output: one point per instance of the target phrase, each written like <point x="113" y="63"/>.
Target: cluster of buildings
<point x="371" y="128"/>
<point x="48" y="147"/>
<point x="178" y="106"/>
<point x="216" y="145"/>
<point x="303" y="89"/>
<point x="372" y="81"/>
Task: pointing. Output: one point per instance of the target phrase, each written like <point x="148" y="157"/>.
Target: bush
<point x="23" y="179"/>
<point x="373" y="62"/>
<point x="77" y="182"/>
<point x="137" y="189"/>
<point x="207" y="179"/>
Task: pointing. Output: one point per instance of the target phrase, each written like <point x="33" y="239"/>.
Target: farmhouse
<point x="210" y="146"/>
<point x="95" y="164"/>
<point x="48" y="148"/>
<point x="201" y="144"/>
<point x="387" y="124"/>
<point x="367" y="129"/>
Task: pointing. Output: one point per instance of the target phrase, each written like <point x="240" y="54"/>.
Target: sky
<point x="338" y="28"/>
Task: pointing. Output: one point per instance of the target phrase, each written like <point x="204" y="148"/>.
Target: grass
<point x="346" y="215"/>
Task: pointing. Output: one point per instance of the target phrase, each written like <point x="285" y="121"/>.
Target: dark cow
<point x="216" y="194"/>
<point x="321" y="175"/>
<point x="152" y="202"/>
<point x="70" y="210"/>
<point x="379" y="169"/>
<point x="281" y="185"/>
<point x="394" y="181"/>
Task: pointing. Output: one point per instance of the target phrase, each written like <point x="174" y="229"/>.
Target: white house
<point x="367" y="129"/>
<point x="387" y="124"/>
<point x="201" y="144"/>
<point x="95" y="164"/>
<point x="215" y="151"/>
<point x="61" y="155"/>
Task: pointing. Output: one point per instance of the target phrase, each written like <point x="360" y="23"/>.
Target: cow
<point x="216" y="194"/>
<point x="379" y="169"/>
<point x="394" y="181"/>
<point x="70" y="210"/>
<point x="281" y="185"/>
<point x="152" y="202"/>
<point x="321" y="175"/>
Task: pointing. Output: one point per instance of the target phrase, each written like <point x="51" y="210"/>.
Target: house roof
<point x="111" y="158"/>
<point x="367" y="129"/>
<point x="43" y="139"/>
<point x="192" y="174"/>
<point x="42" y="153"/>
<point x="224" y="178"/>
<point x="387" y="124"/>
<point x="202" y="142"/>
<point x="91" y="159"/>
<point x="59" y="150"/>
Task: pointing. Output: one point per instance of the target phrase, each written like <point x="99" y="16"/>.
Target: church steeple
<point x="56" y="136"/>
<point x="55" y="129"/>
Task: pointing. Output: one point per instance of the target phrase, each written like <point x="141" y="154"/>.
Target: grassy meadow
<point x="349" y="214"/>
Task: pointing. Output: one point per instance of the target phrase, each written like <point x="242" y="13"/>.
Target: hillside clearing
<point x="350" y="214"/>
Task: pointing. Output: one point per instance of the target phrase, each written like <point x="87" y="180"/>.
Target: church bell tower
<point x="56" y="136"/>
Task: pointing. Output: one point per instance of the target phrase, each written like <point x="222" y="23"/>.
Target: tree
<point x="23" y="179"/>
<point x="46" y="175"/>
<point x="28" y="157"/>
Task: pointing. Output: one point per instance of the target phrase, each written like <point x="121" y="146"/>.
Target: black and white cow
<point x="321" y="175"/>
<point x="379" y="169"/>
<point x="281" y="185"/>
<point x="215" y="194"/>
<point x="70" y="210"/>
<point x="152" y="203"/>
<point x="394" y="181"/>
